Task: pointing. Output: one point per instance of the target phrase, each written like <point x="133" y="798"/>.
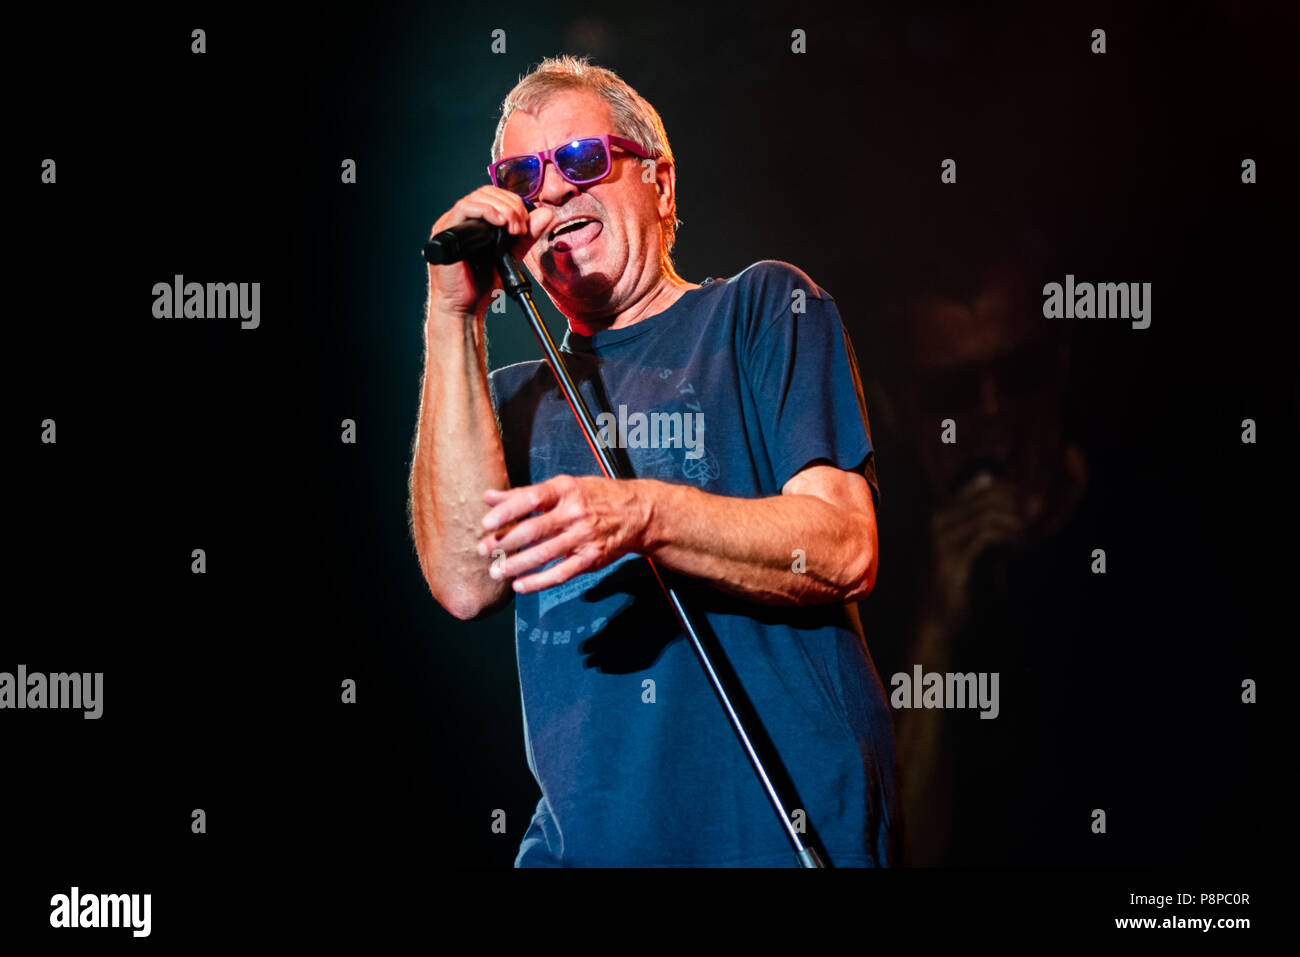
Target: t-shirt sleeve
<point x="803" y="374"/>
<point x="502" y="385"/>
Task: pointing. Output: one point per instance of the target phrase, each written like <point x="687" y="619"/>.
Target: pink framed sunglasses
<point x="581" y="162"/>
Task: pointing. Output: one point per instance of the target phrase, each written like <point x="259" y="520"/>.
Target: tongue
<point x="573" y="238"/>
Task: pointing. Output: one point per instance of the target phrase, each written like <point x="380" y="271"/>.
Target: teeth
<point x="571" y="224"/>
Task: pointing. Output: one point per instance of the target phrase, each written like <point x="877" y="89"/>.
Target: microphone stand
<point x="519" y="288"/>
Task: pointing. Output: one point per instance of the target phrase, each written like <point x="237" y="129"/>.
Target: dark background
<point x="222" y="691"/>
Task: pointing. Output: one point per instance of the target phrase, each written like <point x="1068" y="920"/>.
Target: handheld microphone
<point x="472" y="239"/>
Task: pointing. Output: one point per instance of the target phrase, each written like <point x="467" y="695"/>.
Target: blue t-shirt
<point x="733" y="388"/>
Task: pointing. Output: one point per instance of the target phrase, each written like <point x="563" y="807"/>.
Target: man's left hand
<point x="594" y="521"/>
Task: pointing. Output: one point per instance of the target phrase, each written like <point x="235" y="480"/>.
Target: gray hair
<point x="634" y="118"/>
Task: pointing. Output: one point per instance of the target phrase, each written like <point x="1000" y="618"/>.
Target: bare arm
<point x="458" y="453"/>
<point x="815" y="543"/>
<point x="748" y="547"/>
<point x="457" y="450"/>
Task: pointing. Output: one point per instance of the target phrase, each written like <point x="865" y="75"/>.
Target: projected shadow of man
<point x="975" y="349"/>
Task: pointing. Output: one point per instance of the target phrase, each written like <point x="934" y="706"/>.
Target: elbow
<point x="458" y="604"/>
<point x="465" y="592"/>
<point x="468" y="603"/>
<point x="462" y="610"/>
<point x="461" y="597"/>
<point x="861" y="587"/>
<point x="475" y="608"/>
<point x="861" y="578"/>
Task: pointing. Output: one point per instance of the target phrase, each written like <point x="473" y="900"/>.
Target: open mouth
<point x="575" y="233"/>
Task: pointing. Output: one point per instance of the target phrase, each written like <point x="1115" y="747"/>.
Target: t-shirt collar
<point x="576" y="342"/>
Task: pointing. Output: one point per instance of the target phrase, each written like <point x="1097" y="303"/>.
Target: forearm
<point x="457" y="455"/>
<point x="780" y="550"/>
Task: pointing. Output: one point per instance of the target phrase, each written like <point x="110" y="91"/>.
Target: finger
<point x="467" y="209"/>
<point x="980" y="487"/>
<point x="485" y="207"/>
<point x="996" y="521"/>
<point x="963" y="547"/>
<point x="957" y="524"/>
<point x="522" y="534"/>
<point x="512" y="566"/>
<point x="499" y="557"/>
<point x="540" y="221"/>
<point x="968" y="510"/>
<point x="557" y="574"/>
<point x="513" y="203"/>
<point x="494" y="497"/>
<point x="987" y="540"/>
<point x="998" y="533"/>
<point x="518" y="502"/>
<point x="498" y="206"/>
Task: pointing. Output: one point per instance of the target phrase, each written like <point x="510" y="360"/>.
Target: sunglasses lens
<point x="519" y="175"/>
<point x="582" y="160"/>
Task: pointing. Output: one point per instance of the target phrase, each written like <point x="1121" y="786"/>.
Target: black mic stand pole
<point x="519" y="288"/>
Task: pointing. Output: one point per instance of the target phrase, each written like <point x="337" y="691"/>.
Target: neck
<point x="661" y="292"/>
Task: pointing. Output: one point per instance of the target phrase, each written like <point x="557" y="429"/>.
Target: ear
<point x="665" y="179"/>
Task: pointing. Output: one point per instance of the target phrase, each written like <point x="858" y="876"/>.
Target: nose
<point x="555" y="188"/>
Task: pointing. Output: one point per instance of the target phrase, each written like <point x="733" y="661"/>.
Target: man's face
<point x="992" y="366"/>
<point x="597" y="267"/>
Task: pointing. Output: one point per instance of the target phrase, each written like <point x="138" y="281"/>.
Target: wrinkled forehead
<point x="561" y="117"/>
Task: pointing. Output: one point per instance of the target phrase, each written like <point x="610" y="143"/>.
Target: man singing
<point x="737" y="405"/>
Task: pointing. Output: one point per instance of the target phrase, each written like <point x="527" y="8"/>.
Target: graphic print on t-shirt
<point x="540" y="634"/>
<point x="660" y="424"/>
<point x="617" y="712"/>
